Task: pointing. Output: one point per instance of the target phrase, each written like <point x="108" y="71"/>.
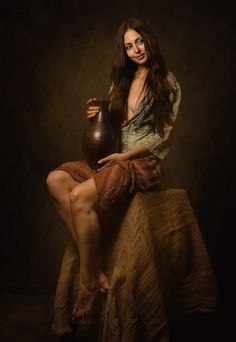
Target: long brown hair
<point x="124" y="69"/>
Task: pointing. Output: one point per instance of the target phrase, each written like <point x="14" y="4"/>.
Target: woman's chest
<point x="136" y="94"/>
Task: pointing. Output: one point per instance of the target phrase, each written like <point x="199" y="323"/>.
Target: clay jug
<point x="100" y="138"/>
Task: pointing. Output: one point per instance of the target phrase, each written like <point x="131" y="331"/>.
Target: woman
<point x="145" y="98"/>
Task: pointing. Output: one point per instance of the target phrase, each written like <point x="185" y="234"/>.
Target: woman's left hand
<point x="115" y="157"/>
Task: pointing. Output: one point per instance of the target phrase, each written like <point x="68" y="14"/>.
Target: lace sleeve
<point x="155" y="140"/>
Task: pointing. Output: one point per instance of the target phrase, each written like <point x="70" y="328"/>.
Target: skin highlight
<point x="75" y="202"/>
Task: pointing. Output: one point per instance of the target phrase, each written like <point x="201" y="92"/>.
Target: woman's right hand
<point x="92" y="110"/>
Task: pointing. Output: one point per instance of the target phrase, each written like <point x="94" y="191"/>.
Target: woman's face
<point x="134" y="46"/>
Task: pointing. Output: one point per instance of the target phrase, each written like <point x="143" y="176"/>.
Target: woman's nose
<point x="136" y="48"/>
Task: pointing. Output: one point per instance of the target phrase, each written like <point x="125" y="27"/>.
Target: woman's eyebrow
<point x="128" y="43"/>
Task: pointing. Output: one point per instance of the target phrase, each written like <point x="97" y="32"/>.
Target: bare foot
<point x="85" y="301"/>
<point x="103" y="281"/>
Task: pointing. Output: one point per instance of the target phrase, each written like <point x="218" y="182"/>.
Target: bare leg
<point x="85" y="221"/>
<point x="60" y="185"/>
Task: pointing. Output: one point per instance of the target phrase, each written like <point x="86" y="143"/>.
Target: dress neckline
<point x="137" y="109"/>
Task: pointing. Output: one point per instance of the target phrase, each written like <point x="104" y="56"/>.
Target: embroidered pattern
<point x="140" y="124"/>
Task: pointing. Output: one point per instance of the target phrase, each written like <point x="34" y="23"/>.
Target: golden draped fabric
<point x="157" y="265"/>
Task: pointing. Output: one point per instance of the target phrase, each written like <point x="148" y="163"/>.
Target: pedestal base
<point x="158" y="268"/>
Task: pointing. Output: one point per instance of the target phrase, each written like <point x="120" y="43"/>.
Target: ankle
<point x="90" y="284"/>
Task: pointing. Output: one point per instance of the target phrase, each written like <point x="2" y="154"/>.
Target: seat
<point x="158" y="267"/>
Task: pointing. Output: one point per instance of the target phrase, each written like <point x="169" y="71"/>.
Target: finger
<point x="91" y="100"/>
<point x="92" y="112"/>
<point x="101" y="168"/>
<point x="106" y="159"/>
<point x="95" y="108"/>
<point x="102" y="161"/>
<point x="91" y="115"/>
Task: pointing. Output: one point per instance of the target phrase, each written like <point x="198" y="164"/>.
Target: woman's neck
<point x="141" y="72"/>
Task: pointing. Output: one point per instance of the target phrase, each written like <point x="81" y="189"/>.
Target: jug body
<point x="100" y="138"/>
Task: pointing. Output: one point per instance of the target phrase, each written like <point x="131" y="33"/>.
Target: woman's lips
<point x="140" y="57"/>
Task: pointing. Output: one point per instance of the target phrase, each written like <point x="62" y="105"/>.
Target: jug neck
<point x="104" y="109"/>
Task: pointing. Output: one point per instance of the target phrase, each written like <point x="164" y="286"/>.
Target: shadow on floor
<point x="27" y="318"/>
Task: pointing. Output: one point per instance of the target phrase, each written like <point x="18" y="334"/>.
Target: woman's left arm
<point x="156" y="141"/>
<point x="137" y="152"/>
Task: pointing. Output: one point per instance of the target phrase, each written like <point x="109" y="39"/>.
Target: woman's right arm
<point x="91" y="110"/>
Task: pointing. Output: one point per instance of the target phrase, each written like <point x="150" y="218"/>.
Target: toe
<point x="105" y="285"/>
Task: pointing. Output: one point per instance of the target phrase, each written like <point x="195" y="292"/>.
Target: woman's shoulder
<point x="171" y="78"/>
<point x="175" y="95"/>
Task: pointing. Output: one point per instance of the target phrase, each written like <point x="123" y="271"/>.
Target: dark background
<point x="57" y="54"/>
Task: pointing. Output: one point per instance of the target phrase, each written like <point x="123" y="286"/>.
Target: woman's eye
<point x="128" y="47"/>
<point x="140" y="41"/>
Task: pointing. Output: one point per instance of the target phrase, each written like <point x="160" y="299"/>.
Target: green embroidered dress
<point x="139" y="130"/>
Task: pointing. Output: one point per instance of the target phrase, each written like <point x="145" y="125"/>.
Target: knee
<point x="56" y="180"/>
<point x="78" y="200"/>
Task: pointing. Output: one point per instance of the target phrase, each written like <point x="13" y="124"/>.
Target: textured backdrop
<point x="57" y="54"/>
